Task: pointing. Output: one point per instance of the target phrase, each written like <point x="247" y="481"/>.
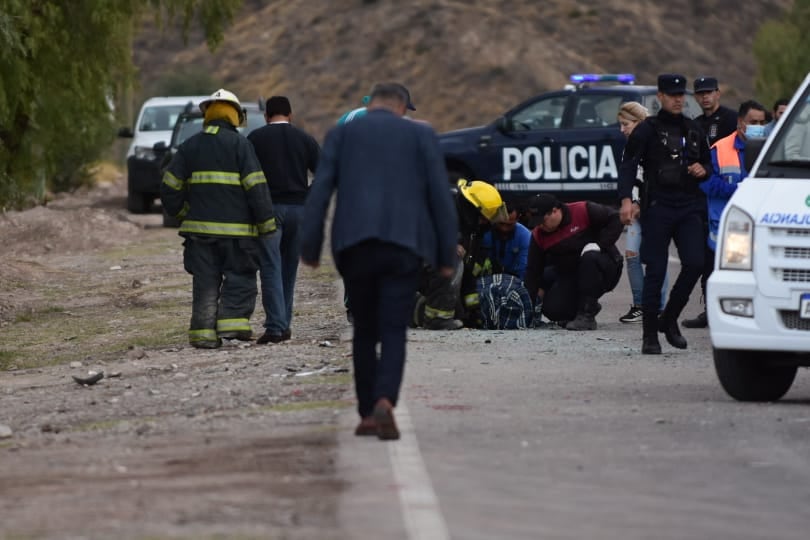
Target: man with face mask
<point x="728" y="167"/>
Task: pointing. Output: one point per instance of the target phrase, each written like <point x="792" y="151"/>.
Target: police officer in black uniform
<point x="674" y="155"/>
<point x="717" y="122"/>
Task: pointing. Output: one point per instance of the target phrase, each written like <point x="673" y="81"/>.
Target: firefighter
<point x="443" y="300"/>
<point x="215" y="186"/>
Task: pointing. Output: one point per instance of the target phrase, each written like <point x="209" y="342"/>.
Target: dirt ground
<point x="173" y="442"/>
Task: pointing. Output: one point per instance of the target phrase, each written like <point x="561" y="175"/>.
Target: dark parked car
<point x="565" y="142"/>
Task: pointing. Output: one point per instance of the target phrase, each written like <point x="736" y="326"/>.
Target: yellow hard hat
<point x="485" y="198"/>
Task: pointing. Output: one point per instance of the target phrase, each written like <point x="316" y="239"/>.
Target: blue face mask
<point x="753" y="131"/>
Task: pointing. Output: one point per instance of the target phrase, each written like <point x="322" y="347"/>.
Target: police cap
<point x="705" y="84"/>
<point x="670" y="83"/>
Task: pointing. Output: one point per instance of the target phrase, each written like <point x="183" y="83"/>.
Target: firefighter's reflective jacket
<point x="215" y="186"/>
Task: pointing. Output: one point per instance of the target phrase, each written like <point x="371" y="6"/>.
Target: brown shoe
<point x="367" y="426"/>
<point x="384" y="417"/>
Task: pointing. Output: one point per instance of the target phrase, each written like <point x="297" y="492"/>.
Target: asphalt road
<point x="551" y="434"/>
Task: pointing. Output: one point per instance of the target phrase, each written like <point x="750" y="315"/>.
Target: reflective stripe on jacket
<point x="216" y="187"/>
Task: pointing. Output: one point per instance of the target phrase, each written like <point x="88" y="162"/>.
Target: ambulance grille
<point x="793" y="275"/>
<point x="797" y="253"/>
<point x="792" y="321"/>
<point x="797" y="232"/>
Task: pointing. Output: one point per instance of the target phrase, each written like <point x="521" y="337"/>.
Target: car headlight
<point x="145" y="152"/>
<point x="737" y="248"/>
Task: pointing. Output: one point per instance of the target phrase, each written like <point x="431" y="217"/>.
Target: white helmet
<point x="227" y="97"/>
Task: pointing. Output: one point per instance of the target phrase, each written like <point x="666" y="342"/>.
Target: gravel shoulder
<point x="173" y="441"/>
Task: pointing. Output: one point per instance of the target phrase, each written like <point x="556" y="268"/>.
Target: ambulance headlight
<point x="737" y="241"/>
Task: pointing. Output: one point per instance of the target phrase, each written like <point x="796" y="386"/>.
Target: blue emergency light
<point x="625" y="78"/>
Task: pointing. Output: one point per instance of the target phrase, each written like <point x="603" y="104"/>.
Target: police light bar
<point x="579" y="78"/>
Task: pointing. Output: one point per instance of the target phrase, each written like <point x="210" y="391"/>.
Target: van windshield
<point x="160" y="117"/>
<point x="790" y="148"/>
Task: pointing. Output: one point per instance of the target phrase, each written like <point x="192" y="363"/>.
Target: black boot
<point x="668" y="325"/>
<point x="649" y="341"/>
<point x="586" y="316"/>
<point x="701" y="321"/>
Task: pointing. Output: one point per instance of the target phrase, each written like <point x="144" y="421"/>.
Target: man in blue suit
<point x="393" y="212"/>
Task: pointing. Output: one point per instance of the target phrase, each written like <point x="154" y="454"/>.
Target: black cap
<point x="543" y="203"/>
<point x="706" y="84"/>
<point x="671" y="83"/>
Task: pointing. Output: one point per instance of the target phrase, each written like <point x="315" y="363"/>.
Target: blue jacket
<point x="728" y="170"/>
<point x="391" y="186"/>
<point x="511" y="254"/>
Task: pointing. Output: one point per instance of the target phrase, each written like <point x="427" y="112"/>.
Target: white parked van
<point x="154" y="124"/>
<point x="758" y="297"/>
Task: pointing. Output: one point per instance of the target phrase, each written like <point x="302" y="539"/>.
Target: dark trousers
<point x="224" y="284"/>
<point x="380" y="281"/>
<point x="596" y="274"/>
<point x="660" y="225"/>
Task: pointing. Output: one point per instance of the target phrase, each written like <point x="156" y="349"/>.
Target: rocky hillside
<point x="464" y="61"/>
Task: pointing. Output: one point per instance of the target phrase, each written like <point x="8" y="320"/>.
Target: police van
<point x="758" y="297"/>
<point x="566" y="142"/>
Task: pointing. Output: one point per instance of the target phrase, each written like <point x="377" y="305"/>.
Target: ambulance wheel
<point x="752" y="375"/>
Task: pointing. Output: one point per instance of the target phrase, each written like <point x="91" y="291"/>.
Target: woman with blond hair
<point x="629" y="116"/>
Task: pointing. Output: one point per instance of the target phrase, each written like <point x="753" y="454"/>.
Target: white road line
<point x="420" y="507"/>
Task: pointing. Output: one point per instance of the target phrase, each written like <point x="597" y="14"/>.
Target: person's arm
<point x="317" y="203"/>
<point x="523" y="238"/>
<point x="313" y="154"/>
<point x="173" y="192"/>
<point x="606" y="223"/>
<point x="717" y="186"/>
<point x="535" y="265"/>
<point x="628" y="169"/>
<point x="440" y="203"/>
<point x="254" y="183"/>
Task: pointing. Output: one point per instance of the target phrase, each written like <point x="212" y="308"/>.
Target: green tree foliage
<point x="782" y="50"/>
<point x="63" y="63"/>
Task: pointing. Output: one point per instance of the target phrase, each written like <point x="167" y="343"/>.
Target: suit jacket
<point x="391" y="186"/>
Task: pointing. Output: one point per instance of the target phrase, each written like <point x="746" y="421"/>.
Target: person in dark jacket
<point x="573" y="260"/>
<point x="673" y="152"/>
<point x="215" y="186"/>
<point x="286" y="154"/>
<point x="393" y="211"/>
<point x="717" y="122"/>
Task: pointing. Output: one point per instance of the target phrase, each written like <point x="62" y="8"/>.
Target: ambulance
<point x="758" y="296"/>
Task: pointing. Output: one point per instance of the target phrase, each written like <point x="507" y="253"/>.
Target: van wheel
<point x="138" y="203"/>
<point x="749" y="376"/>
